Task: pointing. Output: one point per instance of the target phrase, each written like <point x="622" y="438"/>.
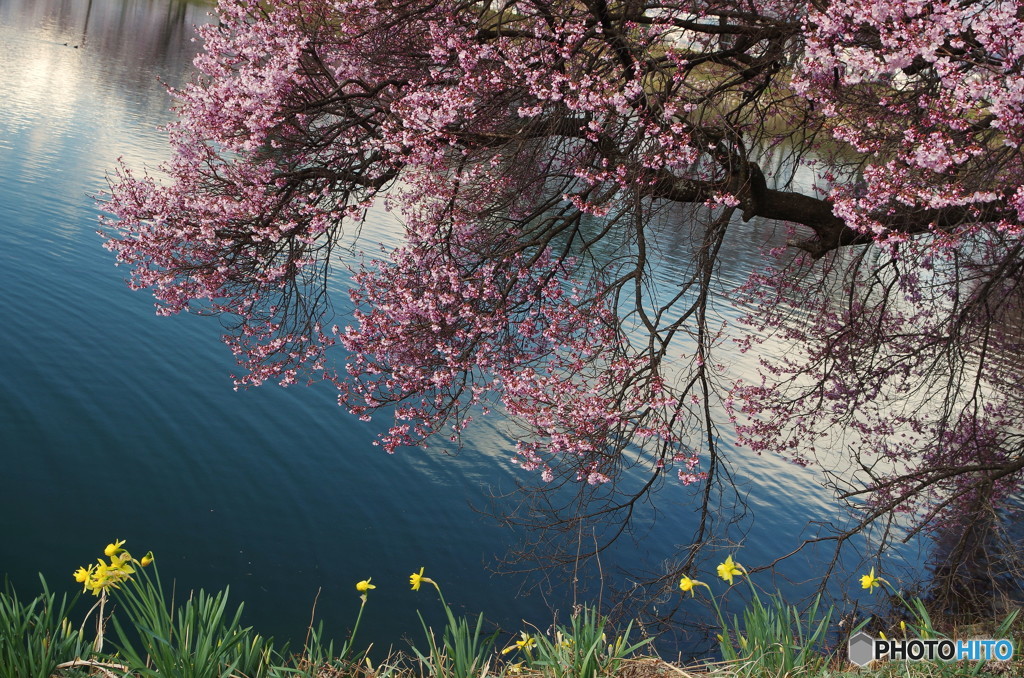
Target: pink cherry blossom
<point x="532" y="148"/>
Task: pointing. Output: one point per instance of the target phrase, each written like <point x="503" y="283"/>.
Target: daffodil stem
<point x="444" y="603"/>
<point x="355" y="628"/>
<point x="439" y="594"/>
<point x="724" y="641"/>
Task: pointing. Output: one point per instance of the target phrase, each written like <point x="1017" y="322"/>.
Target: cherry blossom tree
<point x="530" y="147"/>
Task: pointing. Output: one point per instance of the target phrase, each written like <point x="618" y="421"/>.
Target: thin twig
<point x="312" y="616"/>
<point x="101" y="666"/>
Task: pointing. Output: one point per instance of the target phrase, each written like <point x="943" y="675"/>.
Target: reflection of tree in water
<point x="141" y="38"/>
<point x="976" y="569"/>
<point x="978" y="564"/>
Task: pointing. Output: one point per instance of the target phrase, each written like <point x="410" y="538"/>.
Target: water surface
<point x="115" y="423"/>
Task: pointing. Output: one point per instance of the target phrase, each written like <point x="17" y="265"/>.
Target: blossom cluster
<point x="100" y="577"/>
<point x="526" y="150"/>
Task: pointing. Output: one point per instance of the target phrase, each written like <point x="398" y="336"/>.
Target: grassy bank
<point x="124" y="624"/>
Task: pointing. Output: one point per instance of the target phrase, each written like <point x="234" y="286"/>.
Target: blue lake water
<point x="115" y="423"/>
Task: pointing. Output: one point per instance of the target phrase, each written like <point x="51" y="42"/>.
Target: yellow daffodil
<point x="113" y="549"/>
<point x="82" y="575"/>
<point x="416" y="579"/>
<point x="365" y="586"/>
<point x="870" y="581"/>
<point x="729" y="569"/>
<point x="146" y="559"/>
<point x="903" y="627"/>
<point x="98" y="578"/>
<point x="110" y="575"/>
<point x="525" y="643"/>
<point x="687" y="584"/>
<point x="882" y="636"/>
<point x="122" y="563"/>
